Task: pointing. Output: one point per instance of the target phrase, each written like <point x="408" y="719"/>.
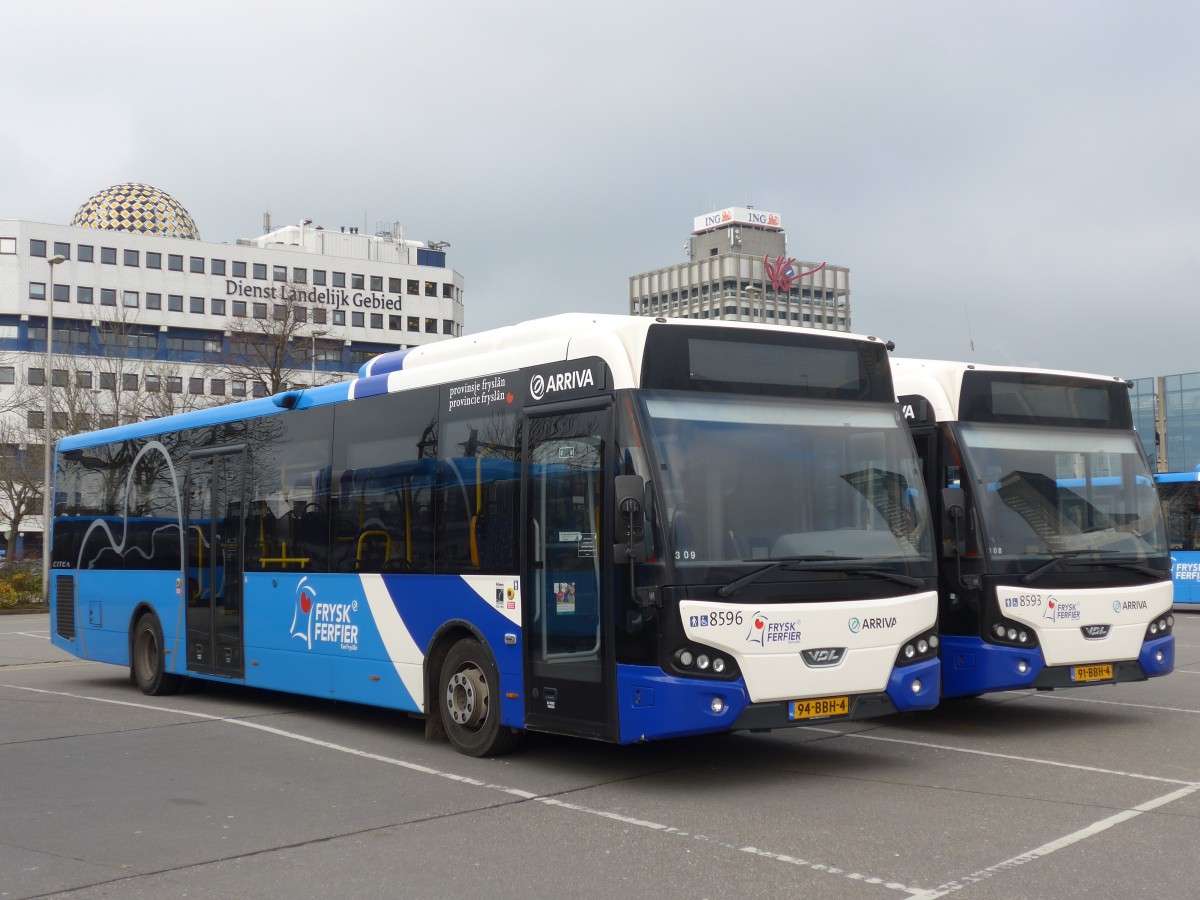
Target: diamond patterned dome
<point x="137" y="207"/>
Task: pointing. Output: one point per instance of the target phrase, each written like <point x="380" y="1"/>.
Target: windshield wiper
<point x="1133" y="567"/>
<point x="907" y="580"/>
<point x="728" y="590"/>
<point x="1031" y="577"/>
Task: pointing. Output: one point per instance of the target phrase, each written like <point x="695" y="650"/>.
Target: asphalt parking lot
<point x="227" y="792"/>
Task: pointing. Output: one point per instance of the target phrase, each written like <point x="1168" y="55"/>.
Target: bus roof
<point x="618" y="339"/>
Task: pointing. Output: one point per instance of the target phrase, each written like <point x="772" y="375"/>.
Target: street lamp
<point x="47" y="480"/>
<point x="313" y="359"/>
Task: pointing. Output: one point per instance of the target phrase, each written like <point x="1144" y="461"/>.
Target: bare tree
<point x="274" y="348"/>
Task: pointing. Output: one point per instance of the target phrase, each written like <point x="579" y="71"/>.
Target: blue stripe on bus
<point x="384" y="363"/>
<point x="372" y="386"/>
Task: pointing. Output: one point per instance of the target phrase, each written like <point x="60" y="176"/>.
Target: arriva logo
<point x="540" y="386"/>
<point x="855" y="626"/>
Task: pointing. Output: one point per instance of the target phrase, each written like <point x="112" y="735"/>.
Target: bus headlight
<point x="918" y="649"/>
<point x="1160" y="627"/>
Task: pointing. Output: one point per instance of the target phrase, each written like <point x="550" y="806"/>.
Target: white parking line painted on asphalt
<point x="1052" y="696"/>
<point x="994" y="755"/>
<point x="474" y="782"/>
<point x="1065" y="841"/>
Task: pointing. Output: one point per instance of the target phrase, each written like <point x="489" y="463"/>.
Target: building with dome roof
<point x="149" y="319"/>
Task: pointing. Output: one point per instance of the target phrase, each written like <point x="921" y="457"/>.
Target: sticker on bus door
<point x="564" y="597"/>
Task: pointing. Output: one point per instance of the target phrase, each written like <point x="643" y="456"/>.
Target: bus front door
<point x="568" y="611"/>
<point x="214" y="563"/>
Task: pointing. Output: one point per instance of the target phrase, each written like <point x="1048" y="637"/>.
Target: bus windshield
<point x="1054" y="491"/>
<point x="750" y="480"/>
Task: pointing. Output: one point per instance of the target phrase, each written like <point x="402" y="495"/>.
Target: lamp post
<point x="47" y="480"/>
<point x="313" y="359"/>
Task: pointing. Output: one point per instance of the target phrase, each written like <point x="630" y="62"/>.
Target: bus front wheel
<point x="149" y="663"/>
<point x="469" y="693"/>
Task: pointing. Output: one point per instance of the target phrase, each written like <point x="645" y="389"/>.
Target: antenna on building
<point x="266" y="223"/>
<point x="970" y="339"/>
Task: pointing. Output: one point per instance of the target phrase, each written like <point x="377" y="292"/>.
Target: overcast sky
<point x="1023" y="175"/>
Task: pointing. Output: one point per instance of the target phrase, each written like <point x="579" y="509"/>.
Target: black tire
<point x="147" y="661"/>
<point x="469" y="697"/>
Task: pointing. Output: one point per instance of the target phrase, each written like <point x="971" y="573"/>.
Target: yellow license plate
<point x="819" y="708"/>
<point x="1093" y="673"/>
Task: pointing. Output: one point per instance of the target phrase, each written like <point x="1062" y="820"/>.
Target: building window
<point x="108" y="256"/>
<point x="174" y="384"/>
<point x="339" y="317"/>
<point x="395" y="323"/>
<point x="279" y="312"/>
<point x="218" y="266"/>
<point x="108" y="381"/>
<point x="130" y="258"/>
<point x="152" y="384"/>
<point x="218" y="306"/>
<point x="319" y="276"/>
<point x="447" y="326"/>
<point x="37" y="248"/>
<point x="376" y="320"/>
<point x="129" y="381"/>
<point x="300" y="313"/>
<point x="447" y="291"/>
<point x="8" y="246"/>
<point x="175" y="302"/>
<point x="339" y="279"/>
<point x="260" y="310"/>
<point x="357" y="319"/>
<point x="217" y="387"/>
<point x="319" y="315"/>
<point x="153" y="301"/>
<point x="300" y="276"/>
<point x="58" y="377"/>
<point x="356" y="282"/>
<point x="108" y="297"/>
<point x="414" y="324"/>
<point x="62" y="293"/>
<point x="153" y="260"/>
<point x="414" y="287"/>
<point x="84" y="253"/>
<point x="8" y="374"/>
<point x="431" y="326"/>
<point x="279" y="273"/>
<point x="377" y="282"/>
<point x="196" y="304"/>
<point x="130" y="299"/>
<point x="260" y="271"/>
<point x="260" y="389"/>
<point x="35" y="418"/>
<point x="239" y="269"/>
<point x="196" y="265"/>
<point x="83" y="379"/>
<point x="195" y="385"/>
<point x="37" y="290"/>
<point x="108" y="421"/>
<point x="431" y="289"/>
<point x="61" y="248"/>
<point x="239" y="308"/>
<point x="237" y="388"/>
<point x="395" y="285"/>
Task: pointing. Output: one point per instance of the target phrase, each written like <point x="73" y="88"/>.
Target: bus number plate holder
<point x="1083" y="674"/>
<point x="818" y="708"/>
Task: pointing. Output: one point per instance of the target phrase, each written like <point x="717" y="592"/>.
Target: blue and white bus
<point x="1180" y="496"/>
<point x="1054" y="569"/>
<point x="612" y="527"/>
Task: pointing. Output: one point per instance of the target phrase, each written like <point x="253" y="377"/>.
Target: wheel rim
<point x="467" y="698"/>
<point x="147" y="655"/>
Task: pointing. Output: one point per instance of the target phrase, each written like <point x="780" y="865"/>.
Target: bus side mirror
<point x="954" y="539"/>
<point x="631" y="519"/>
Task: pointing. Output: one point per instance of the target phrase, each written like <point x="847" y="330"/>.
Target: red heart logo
<point x="759" y="623"/>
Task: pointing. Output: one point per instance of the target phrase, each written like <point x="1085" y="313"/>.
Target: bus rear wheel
<point x="469" y="693"/>
<point x="148" y="661"/>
